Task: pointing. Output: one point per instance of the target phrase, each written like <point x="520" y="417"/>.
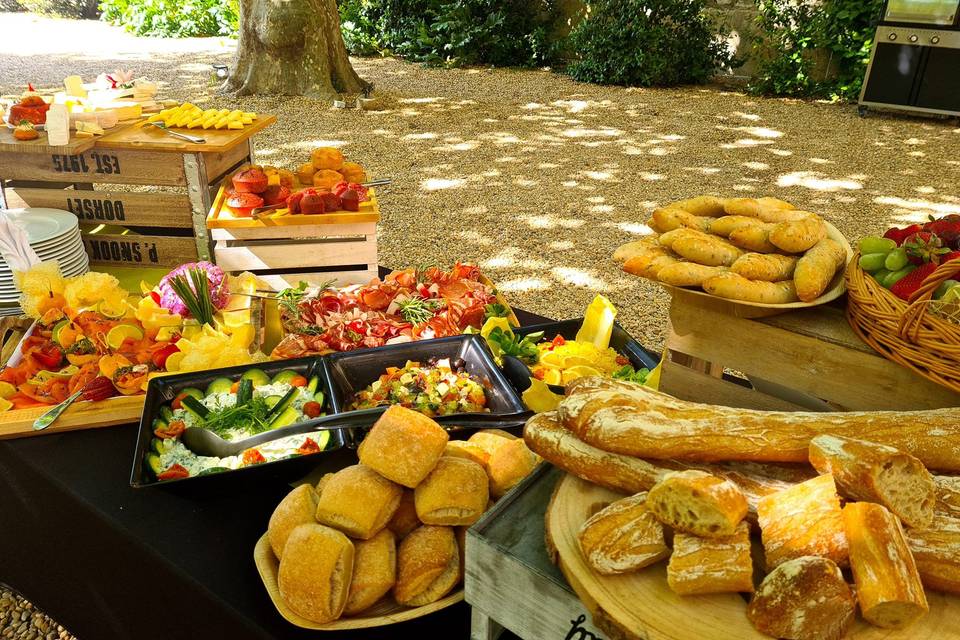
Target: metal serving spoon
<point x="204" y="442"/>
<point x="47" y="418"/>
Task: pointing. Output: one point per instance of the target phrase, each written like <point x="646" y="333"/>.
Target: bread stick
<point x="770" y="267"/>
<point x="888" y="585"/>
<point x="636" y="420"/>
<point x="705" y="249"/>
<point x="936" y="552"/>
<point x="877" y="473"/>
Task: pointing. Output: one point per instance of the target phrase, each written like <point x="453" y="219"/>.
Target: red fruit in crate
<point x="907" y="285"/>
<point x="311" y="203"/>
<point x="350" y="200"/>
<point x="251" y="181"/>
<point x="923" y="247"/>
<point x="331" y="202"/>
<point x="361" y="190"/>
<point x="275" y="194"/>
<point x="242" y="204"/>
<point x="293" y="202"/>
<point x="898" y="235"/>
<point x="339" y="188"/>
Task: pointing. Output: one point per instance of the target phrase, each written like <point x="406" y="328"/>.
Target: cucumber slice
<point x="195" y="407"/>
<point x="272" y="401"/>
<point x="284" y="376"/>
<point x="166" y="413"/>
<point x="319" y="398"/>
<point x="193" y="392"/>
<point x="286" y="417"/>
<point x="211" y="470"/>
<point x="281" y="406"/>
<point x="219" y="385"/>
<point x="257" y="376"/>
<point x="244" y="392"/>
<point x="156" y="445"/>
<point x="313" y="384"/>
<point x="159" y="423"/>
<point x="322" y="439"/>
<point x="153" y="461"/>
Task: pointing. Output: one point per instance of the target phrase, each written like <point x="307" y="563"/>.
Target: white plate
<point x="67" y="262"/>
<point x="69" y="237"/>
<point x="42" y="223"/>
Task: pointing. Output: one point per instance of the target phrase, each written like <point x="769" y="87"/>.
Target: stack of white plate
<point x="54" y="235"/>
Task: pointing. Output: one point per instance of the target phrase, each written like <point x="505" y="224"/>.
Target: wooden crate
<point x="510" y="581"/>
<point x="802" y="360"/>
<point x="161" y="229"/>
<point x="286" y="249"/>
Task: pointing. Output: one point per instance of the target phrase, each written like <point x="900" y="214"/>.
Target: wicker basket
<point x="910" y="333"/>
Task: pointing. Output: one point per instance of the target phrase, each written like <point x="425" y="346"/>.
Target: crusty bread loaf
<point x="936" y="553"/>
<point x="508" y="465"/>
<point x="877" y="473"/>
<point x="455" y="493"/>
<point x="803" y="520"/>
<point x="403" y="446"/>
<point x="374" y="572"/>
<point x="699" y="503"/>
<point x="711" y="565"/>
<point x="468" y="450"/>
<point x="315" y="572"/>
<point x="888" y="585"/>
<point x="428" y="566"/>
<point x="622" y="537"/>
<point x="803" y="599"/>
<point x="633" y="419"/>
<point x="405" y="518"/>
<point x="297" y="508"/>
<point x="948" y="495"/>
<point x="358" y="501"/>
<point x="322" y="482"/>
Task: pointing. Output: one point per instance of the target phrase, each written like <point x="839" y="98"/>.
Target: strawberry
<point x="907" y="285"/>
<point x="899" y="235"/>
<point x="947" y="228"/>
<point x="923" y="247"/>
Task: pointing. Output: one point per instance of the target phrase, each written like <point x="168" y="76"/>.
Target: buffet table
<point x="108" y="561"/>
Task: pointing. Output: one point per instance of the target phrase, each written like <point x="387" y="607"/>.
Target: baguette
<point x="698" y="503"/>
<point x="817" y="267"/>
<point x="803" y="599"/>
<point x="804" y="520"/>
<point x="770" y="267"/>
<point x="948" y="495"/>
<point x="711" y="565"/>
<point x="877" y="473"/>
<point x="936" y="552"/>
<point x="622" y="537"/>
<point x="633" y="419"/>
<point x="888" y="585"/>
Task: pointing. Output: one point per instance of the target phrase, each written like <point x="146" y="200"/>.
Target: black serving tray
<point x="164" y="389"/>
<point x="620" y="341"/>
<point x="352" y="371"/>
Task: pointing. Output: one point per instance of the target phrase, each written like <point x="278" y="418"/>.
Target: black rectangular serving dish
<point x="620" y="341"/>
<point x="351" y="371"/>
<point x="164" y="389"/>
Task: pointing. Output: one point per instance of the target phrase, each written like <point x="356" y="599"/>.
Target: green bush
<point x="173" y="18"/>
<point x="450" y="32"/>
<point x="811" y="48"/>
<point x="646" y="43"/>
<point x="62" y="8"/>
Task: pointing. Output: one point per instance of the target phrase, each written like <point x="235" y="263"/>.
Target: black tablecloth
<point x="107" y="561"/>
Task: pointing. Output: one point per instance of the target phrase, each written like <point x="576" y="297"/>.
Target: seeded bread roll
<point x="358" y="501"/>
<point x="796" y="236"/>
<point x="405" y="518"/>
<point x="803" y="520"/>
<point x="728" y="224"/>
<point x="297" y="508"/>
<point x="702" y="205"/>
<point x="508" y="465"/>
<point x="428" y="566"/>
<point x="754" y="238"/>
<point x="711" y="565"/>
<point x="403" y="446"/>
<point x="374" y="572"/>
<point x="670" y="218"/>
<point x="315" y="572"/>
<point x="803" y="599"/>
<point x="699" y="503"/>
<point x="455" y="493"/>
<point x="633" y="249"/>
<point x="770" y="267"/>
<point x="687" y="274"/>
<point x="888" y="585"/>
<point x="817" y="267"/>
<point x="622" y="537"/>
<point x="877" y="473"/>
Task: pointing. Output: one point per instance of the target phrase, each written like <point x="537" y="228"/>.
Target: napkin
<point x="15" y="245"/>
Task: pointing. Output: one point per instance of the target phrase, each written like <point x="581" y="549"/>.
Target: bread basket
<point x="911" y="333"/>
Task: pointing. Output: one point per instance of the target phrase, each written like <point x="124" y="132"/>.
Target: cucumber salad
<point x="235" y="410"/>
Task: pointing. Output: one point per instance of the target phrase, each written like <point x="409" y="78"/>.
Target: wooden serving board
<point x="81" y="415"/>
<point x="641" y="606"/>
<point x="385" y="612"/>
<point x="9" y="143"/>
<point x="150" y="138"/>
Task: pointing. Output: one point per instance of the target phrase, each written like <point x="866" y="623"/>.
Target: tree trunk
<point x="292" y="47"/>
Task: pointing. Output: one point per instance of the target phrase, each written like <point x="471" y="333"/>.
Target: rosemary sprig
<point x="196" y="297"/>
<point x="416" y="309"/>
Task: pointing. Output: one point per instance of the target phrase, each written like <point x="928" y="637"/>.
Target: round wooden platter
<point x="742" y="309"/>
<point x="385" y="612"/>
<point x="641" y="606"/>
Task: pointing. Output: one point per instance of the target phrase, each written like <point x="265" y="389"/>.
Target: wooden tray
<point x="742" y="309"/>
<point x="383" y="613"/>
<point x="640" y="605"/>
<point x="138" y="136"/>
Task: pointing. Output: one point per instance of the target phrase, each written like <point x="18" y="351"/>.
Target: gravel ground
<point x="19" y="620"/>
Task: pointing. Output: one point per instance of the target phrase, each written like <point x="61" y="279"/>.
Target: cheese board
<point x="640" y="605"/>
<point x="141" y="137"/>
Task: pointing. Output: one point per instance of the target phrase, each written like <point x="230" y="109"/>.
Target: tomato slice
<point x="298" y="381"/>
<point x="175" y="471"/>
<point x="174" y="429"/>
<point x="308" y="447"/>
<point x="160" y="356"/>
<point x="253" y="456"/>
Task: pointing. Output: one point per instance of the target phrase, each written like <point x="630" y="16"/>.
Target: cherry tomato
<point x="174" y="472"/>
<point x="312" y="409"/>
<point x="558" y="341"/>
<point x="308" y="447"/>
<point x="177" y="404"/>
<point x="235" y="387"/>
<point x="253" y="456"/>
<point x="160" y="356"/>
<point x="298" y="381"/>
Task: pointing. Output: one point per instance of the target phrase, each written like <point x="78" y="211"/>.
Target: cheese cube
<point x="221" y="124"/>
<point x="233" y="124"/>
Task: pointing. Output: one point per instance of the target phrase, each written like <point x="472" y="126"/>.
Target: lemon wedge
<point x="173" y="361"/>
<point x="598" y="323"/>
<point x="579" y="371"/>
<point x="553" y="360"/>
<point x="121" y="332"/>
<point x="7" y="390"/>
<point x="553" y="376"/>
<point x="111" y="310"/>
<point x="539" y="398"/>
<point x="5" y="405"/>
<point x="145" y="288"/>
